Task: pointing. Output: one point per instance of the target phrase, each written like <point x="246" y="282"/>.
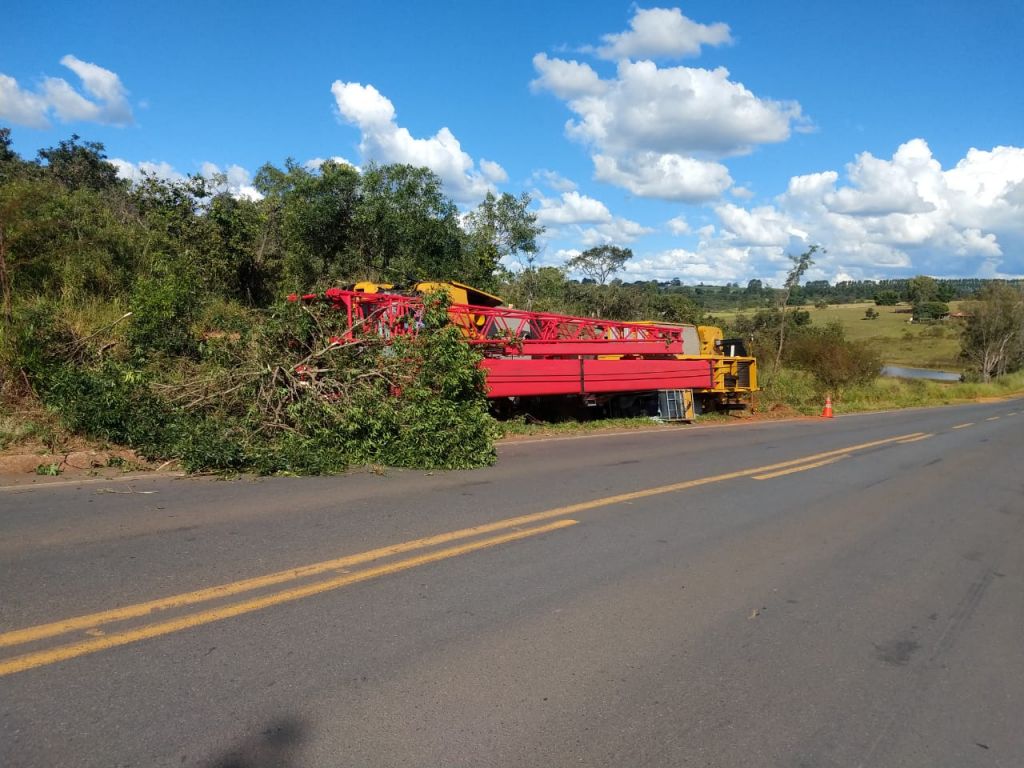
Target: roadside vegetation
<point x="150" y="315"/>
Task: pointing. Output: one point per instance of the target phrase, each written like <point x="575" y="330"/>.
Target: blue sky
<point x="711" y="138"/>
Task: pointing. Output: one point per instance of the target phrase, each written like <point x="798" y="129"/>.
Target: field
<point x="898" y="341"/>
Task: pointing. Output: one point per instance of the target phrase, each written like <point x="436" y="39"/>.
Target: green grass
<point x="798" y="391"/>
<point x="897" y="341"/>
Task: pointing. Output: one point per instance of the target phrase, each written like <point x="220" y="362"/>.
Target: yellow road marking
<point x="963" y="426"/>
<point x="103" y="642"/>
<point x="915" y="438"/>
<point x="93" y="621"/>
<point x="802" y="467"/>
<point x="992" y="418"/>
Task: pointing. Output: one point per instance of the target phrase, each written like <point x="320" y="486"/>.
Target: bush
<point x="831" y="358"/>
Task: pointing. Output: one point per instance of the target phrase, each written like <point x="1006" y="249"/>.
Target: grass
<point x="897" y="341"/>
<point x="799" y="391"/>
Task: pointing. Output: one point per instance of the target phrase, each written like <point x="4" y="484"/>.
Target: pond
<point x="902" y="372"/>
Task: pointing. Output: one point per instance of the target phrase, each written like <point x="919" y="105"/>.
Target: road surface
<point x="805" y="593"/>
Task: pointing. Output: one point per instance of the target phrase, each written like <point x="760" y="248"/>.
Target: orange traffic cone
<point x="827" y="411"/>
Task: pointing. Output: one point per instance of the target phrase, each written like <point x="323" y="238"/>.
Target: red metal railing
<point x="504" y="331"/>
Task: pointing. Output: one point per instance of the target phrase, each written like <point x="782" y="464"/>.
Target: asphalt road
<point x="806" y="593"/>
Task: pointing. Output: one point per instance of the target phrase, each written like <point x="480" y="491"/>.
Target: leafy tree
<point x="922" y="288"/>
<point x="930" y="310"/>
<point x="887" y="298"/>
<point x="405" y="228"/>
<point x="601" y="262"/>
<point x="498" y="229"/>
<point x="78" y="166"/>
<point x="992" y="340"/>
<point x="870" y="313"/>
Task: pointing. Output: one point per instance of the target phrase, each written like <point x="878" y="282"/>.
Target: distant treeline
<point x="758" y="294"/>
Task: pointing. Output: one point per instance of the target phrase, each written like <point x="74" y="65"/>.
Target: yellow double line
<point x="97" y="640"/>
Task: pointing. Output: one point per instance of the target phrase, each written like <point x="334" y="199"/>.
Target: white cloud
<point x="679" y="109"/>
<point x="493" y="172"/>
<point x="572" y="208"/>
<point x="678" y="226"/>
<point x="615" y="232"/>
<point x="108" y="105"/>
<point x="902" y="214"/>
<point x="741" y="193"/>
<point x="566" y="79"/>
<point x="664" y="176"/>
<point x="656" y="32"/>
<point x="384" y="140"/>
<point x="20" y="106"/>
<point x="659" y="131"/>
<point x="570" y="213"/>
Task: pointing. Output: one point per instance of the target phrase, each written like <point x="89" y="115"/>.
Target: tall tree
<point x="801" y="264"/>
<point x="500" y="228"/>
<point x="601" y="262"/>
<point x="992" y="341"/>
<point x="405" y="228"/>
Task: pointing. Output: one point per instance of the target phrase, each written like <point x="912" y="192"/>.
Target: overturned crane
<point x="662" y="369"/>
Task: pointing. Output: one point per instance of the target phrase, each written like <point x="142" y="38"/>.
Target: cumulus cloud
<point x="572" y="208"/>
<point x="566" y="79"/>
<point x="678" y="226"/>
<point x="586" y="220"/>
<point x="665" y="176"/>
<point x="364" y="107"/>
<point x="618" y="231"/>
<point x="660" y="131"/>
<point x="20" y="106"/>
<point x="105" y="99"/>
<point x="662" y="32"/>
<point x="887" y="216"/>
<point x="493" y="172"/>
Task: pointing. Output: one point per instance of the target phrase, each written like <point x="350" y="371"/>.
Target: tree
<point x="405" y="228"/>
<point x="500" y="228"/>
<point x="922" y="288"/>
<point x="930" y="310"/>
<point x="801" y="264"/>
<point x="78" y="166"/>
<point x="887" y="298"/>
<point x="601" y="262"/>
<point x="992" y="340"/>
<point x="870" y="313"/>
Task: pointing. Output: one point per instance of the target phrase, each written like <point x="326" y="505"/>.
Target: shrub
<point x="831" y="358"/>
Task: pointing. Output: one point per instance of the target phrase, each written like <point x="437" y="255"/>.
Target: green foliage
<point x="887" y="298"/>
<point x="925" y="311"/>
<point x="164" y="306"/>
<point x="50" y="470"/>
<point x="870" y="313"/>
<point x="601" y="262"/>
<point x="831" y="358"/>
<point x="992" y="340"/>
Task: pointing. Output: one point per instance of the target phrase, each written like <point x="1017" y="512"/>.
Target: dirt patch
<point x="88" y="462"/>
